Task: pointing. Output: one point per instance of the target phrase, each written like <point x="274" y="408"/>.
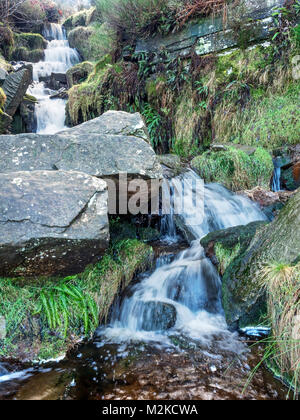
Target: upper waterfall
<point x="59" y="57"/>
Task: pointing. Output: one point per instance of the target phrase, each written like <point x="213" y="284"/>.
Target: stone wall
<point x="211" y="34"/>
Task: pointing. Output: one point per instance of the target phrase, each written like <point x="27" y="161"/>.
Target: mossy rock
<point x="242" y="282"/>
<point x="79" y="73"/>
<point x="47" y="317"/>
<point x="2" y="99"/>
<point x="235" y="169"/>
<point x="30" y="41"/>
<point x="81" y="18"/>
<point x="79" y="38"/>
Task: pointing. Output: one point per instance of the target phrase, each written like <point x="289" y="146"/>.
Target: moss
<point x="30" y="98"/>
<point x="6" y="41"/>
<point x="273" y="121"/>
<point x="45" y="318"/>
<point x="2" y="98"/>
<point x="79" y="73"/>
<point x="93" y="41"/>
<point x="235" y="169"/>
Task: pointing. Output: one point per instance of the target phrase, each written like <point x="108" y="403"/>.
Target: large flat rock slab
<point x="51" y="222"/>
<point x="112" y="144"/>
<point x="116" y="142"/>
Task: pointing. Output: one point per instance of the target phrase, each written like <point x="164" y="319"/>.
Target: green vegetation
<point x="79" y="73"/>
<point x="235" y="169"/>
<point x="2" y="99"/>
<point x="148" y="17"/>
<point x="30" y="41"/>
<point x="225" y="256"/>
<point x="282" y="352"/>
<point x="47" y="316"/>
<point x="81" y="18"/>
<point x="93" y="41"/>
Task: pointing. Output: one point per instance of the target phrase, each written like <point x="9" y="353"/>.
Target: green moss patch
<point x="48" y="316"/>
<point x="235" y="169"/>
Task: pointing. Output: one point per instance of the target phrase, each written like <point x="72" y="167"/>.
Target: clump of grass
<point x="53" y="314"/>
<point x="235" y="169"/>
<point x="282" y="282"/>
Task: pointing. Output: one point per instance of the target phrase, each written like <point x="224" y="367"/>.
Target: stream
<point x="167" y="337"/>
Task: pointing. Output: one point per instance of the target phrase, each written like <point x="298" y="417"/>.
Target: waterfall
<point x="59" y="57"/>
<point x="190" y="283"/>
<point x="276" y="186"/>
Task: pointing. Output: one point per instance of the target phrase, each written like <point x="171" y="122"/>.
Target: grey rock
<point x="158" y="316"/>
<point x="3" y="76"/>
<point x="15" y="87"/>
<point x="2" y="330"/>
<point x="51" y="222"/>
<point x="114" y="143"/>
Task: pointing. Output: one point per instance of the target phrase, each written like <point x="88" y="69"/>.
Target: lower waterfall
<point x="187" y="289"/>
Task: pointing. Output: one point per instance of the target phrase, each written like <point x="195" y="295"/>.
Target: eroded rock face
<point x="116" y="142"/>
<point x="51" y="222"/>
<point x="276" y="242"/>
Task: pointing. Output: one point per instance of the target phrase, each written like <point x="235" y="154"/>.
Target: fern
<point x="60" y="304"/>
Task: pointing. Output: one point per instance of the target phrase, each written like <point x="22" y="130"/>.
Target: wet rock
<point x="15" y="87"/>
<point x="57" y="81"/>
<point x="62" y="94"/>
<point x="291" y="176"/>
<point x="278" y="241"/>
<point x="210" y="34"/>
<point x="158" y="316"/>
<point x="51" y="222"/>
<point x="115" y="143"/>
<point x="24" y="120"/>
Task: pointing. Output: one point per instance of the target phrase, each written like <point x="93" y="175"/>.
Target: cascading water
<point x="59" y="57"/>
<point x="190" y="283"/>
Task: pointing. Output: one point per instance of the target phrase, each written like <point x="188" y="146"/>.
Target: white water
<point x="59" y="57"/>
<point x="190" y="283"/>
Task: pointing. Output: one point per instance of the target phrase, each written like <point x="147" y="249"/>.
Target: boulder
<point x="269" y="201"/>
<point x="277" y="242"/>
<point x="15" y="87"/>
<point x="110" y="145"/>
<point x="51" y="222"/>
<point x="78" y="73"/>
<point x="158" y="316"/>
